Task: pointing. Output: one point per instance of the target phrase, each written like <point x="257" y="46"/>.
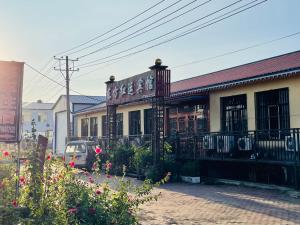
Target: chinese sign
<point x="11" y="80"/>
<point x="131" y="89"/>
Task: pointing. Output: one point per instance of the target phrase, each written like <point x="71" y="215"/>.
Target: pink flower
<point x="14" y="203"/>
<point x="72" y="164"/>
<point x="72" y="210"/>
<point x="98" y="150"/>
<point x="98" y="192"/>
<point x="6" y="153"/>
<point x="108" y="165"/>
<point x="22" y="180"/>
<point x="91" y="180"/>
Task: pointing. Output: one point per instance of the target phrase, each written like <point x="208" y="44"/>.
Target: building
<point x="77" y="103"/>
<point x="42" y="115"/>
<point x="240" y="123"/>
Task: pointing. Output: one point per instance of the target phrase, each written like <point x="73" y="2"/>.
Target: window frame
<point x="86" y="127"/>
<point x="233" y="113"/>
<point x="93" y="126"/>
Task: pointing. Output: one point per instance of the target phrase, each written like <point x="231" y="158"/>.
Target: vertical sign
<point x="11" y="80"/>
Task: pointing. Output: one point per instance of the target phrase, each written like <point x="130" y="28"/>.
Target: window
<point x="148" y="123"/>
<point x="181" y="124"/>
<point x="119" y="124"/>
<point x="104" y="125"/>
<point x="135" y="122"/>
<point x="42" y="117"/>
<point x="94" y="126"/>
<point x="84" y="127"/>
<point x="172" y="126"/>
<point x="272" y="110"/>
<point x="76" y="148"/>
<point x="191" y="124"/>
<point x="234" y="113"/>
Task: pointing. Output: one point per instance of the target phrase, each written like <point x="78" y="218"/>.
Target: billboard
<point x="139" y="87"/>
<point x="131" y="89"/>
<point x="11" y="81"/>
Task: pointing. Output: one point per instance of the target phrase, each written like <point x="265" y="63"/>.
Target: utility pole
<point x="67" y="70"/>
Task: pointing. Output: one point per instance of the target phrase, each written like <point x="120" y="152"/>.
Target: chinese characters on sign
<point x="11" y="77"/>
<point x="131" y="89"/>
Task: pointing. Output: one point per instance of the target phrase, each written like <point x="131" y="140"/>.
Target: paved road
<point x="220" y="204"/>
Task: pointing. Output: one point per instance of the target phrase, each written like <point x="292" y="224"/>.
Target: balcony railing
<point x="268" y="145"/>
<point x="263" y="145"/>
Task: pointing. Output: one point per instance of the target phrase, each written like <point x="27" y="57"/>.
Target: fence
<point x="269" y="145"/>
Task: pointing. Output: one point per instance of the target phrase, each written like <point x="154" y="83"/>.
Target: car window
<point x="71" y="148"/>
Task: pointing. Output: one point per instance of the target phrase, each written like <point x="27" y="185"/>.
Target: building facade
<point x="77" y="103"/>
<point x="42" y="115"/>
<point x="240" y="123"/>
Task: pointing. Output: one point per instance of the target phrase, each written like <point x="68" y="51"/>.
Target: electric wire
<point x="54" y="81"/>
<point x="112" y="29"/>
<point x="128" y="28"/>
<point x="196" y="28"/>
<point x="212" y="57"/>
<point x="236" y="51"/>
<point x="136" y="33"/>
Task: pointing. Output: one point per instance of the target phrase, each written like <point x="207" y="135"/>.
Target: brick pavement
<point x="220" y="204"/>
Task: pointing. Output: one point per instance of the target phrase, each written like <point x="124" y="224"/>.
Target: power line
<point x="112" y="29"/>
<point x="123" y="39"/>
<point x="196" y="28"/>
<point x="236" y="51"/>
<point x="54" y="95"/>
<point x="128" y="28"/>
<point x="216" y="56"/>
<point x="54" y="81"/>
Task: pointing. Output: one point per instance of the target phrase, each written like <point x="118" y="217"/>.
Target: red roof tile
<point x="250" y="70"/>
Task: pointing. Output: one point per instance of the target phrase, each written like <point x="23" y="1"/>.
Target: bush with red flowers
<point x="62" y="194"/>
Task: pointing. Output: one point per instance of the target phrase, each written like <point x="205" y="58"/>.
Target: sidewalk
<point x="220" y="204"/>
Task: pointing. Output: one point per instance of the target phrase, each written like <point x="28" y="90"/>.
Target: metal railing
<point x="103" y="142"/>
<point x="270" y="145"/>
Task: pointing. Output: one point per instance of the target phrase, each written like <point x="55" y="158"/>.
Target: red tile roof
<point x="242" y="72"/>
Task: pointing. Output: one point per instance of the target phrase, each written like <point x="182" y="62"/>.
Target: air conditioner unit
<point x="209" y="142"/>
<point x="245" y="143"/>
<point x="292" y="143"/>
<point x="225" y="143"/>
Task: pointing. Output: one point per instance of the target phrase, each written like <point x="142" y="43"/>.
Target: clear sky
<point x="33" y="31"/>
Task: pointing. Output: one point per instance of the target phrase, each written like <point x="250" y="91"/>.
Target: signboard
<point x="11" y="80"/>
<point x="132" y="89"/>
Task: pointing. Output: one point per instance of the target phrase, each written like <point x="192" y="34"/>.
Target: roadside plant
<point x="62" y="194"/>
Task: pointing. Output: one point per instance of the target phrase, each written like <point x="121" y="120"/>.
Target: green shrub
<point x="60" y="195"/>
<point x="142" y="159"/>
<point x="119" y="156"/>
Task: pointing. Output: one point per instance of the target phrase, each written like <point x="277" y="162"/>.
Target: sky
<point x="34" y="31"/>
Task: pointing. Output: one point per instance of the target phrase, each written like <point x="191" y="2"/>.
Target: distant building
<point x="42" y="114"/>
<point x="77" y="103"/>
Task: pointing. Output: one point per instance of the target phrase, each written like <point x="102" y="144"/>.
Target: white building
<point x="42" y="115"/>
<point x="77" y="103"/>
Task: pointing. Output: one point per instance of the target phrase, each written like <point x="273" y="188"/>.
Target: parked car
<point x="82" y="153"/>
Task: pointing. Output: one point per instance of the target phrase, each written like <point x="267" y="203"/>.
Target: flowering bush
<point x="60" y="194"/>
